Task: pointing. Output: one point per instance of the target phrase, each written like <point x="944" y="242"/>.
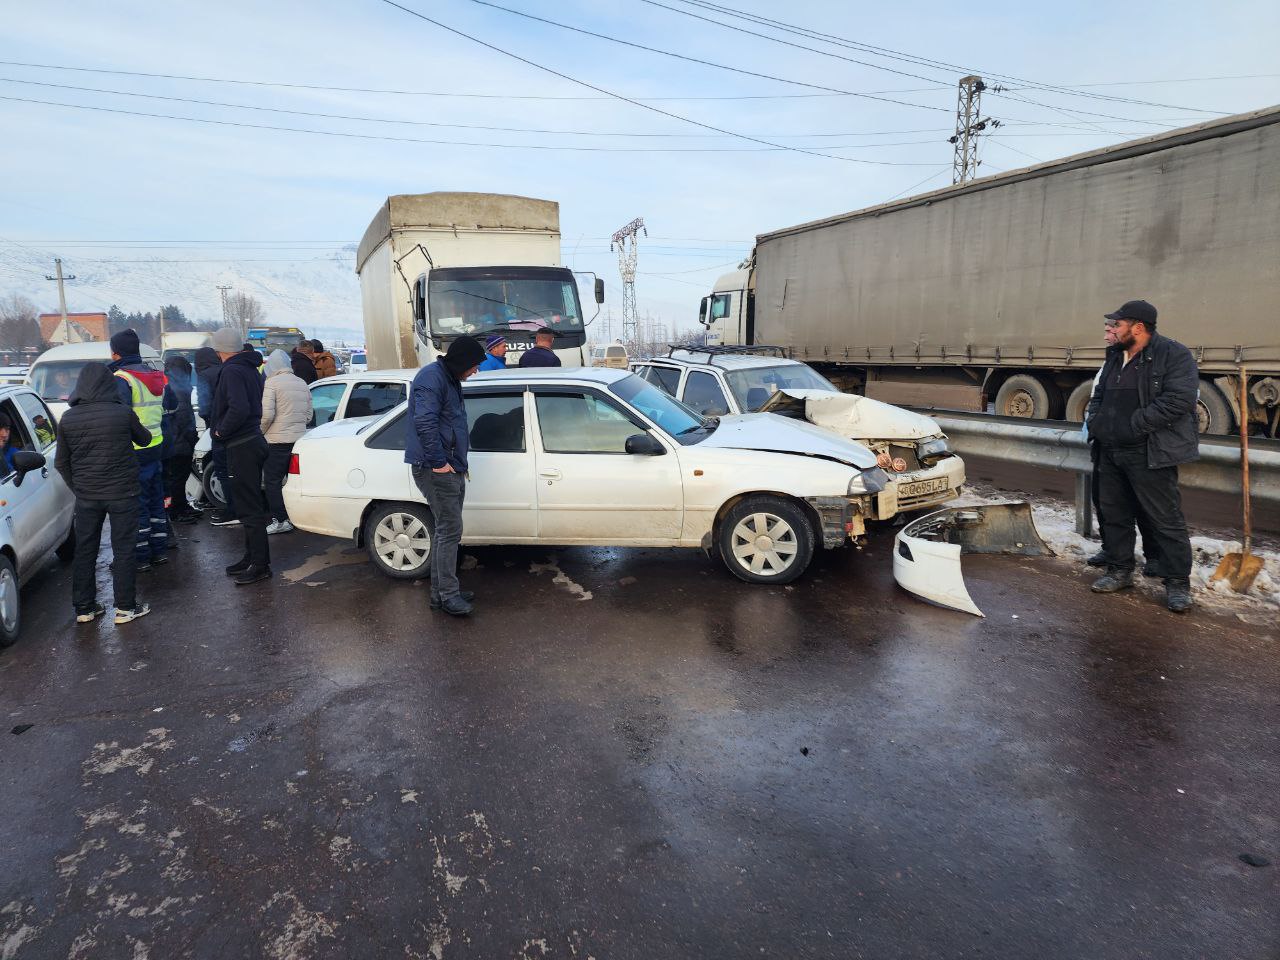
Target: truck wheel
<point x="398" y="538"/>
<point x="766" y="540"/>
<point x="1024" y="395"/>
<point x="10" y="603"/>
<point x="1078" y="401"/>
<point x="1212" y="411"/>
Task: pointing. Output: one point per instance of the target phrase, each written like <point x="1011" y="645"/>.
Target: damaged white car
<point x="909" y="447"/>
<point x="594" y="456"/>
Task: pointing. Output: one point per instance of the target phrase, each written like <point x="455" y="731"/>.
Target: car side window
<point x="583" y="423"/>
<point x="666" y="379"/>
<point x="371" y="399"/>
<point x="324" y="402"/>
<point x="390" y="436"/>
<point x="703" y="394"/>
<point x="40" y="418"/>
<point x="18" y="438"/>
<point x="496" y="423"/>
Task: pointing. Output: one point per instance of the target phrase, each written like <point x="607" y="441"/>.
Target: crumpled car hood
<point x="770" y="432"/>
<point x="855" y="417"/>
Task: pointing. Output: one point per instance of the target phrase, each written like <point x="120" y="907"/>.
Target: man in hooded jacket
<point x="97" y="437"/>
<point x="180" y="428"/>
<point x="142" y="388"/>
<point x="208" y="366"/>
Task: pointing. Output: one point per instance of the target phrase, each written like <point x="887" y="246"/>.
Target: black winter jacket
<point x="237" y="400"/>
<point x="96" y="437"/>
<point x="1168" y="386"/>
<point x="179" y="419"/>
<point x="208" y="365"/>
<point x="303" y="367"/>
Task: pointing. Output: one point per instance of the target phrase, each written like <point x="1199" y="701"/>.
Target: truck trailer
<point x="436" y="266"/>
<point x="994" y="290"/>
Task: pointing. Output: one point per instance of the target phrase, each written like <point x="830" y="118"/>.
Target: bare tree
<point x="19" y="324"/>
<point x="244" y="310"/>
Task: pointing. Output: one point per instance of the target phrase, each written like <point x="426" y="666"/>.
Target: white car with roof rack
<point x="909" y="446"/>
<point x="594" y="456"/>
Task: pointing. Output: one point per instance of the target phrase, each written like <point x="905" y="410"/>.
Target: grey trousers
<point x="445" y="493"/>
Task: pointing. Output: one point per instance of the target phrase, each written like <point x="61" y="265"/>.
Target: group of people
<point x="125" y="449"/>
<point x="310" y="361"/>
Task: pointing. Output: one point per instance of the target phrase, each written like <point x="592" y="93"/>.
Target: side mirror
<point x="702" y="312"/>
<point x="642" y="444"/>
<point x="24" y="461"/>
<point x="599" y="290"/>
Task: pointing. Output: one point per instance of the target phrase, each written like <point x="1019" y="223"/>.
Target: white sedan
<point x="594" y="456"/>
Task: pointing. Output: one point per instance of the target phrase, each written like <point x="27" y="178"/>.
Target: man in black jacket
<point x="302" y="360"/>
<point x="236" y="422"/>
<point x="1142" y="425"/>
<point x="96" y="439"/>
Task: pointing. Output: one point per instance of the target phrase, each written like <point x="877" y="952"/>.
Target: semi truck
<point x="993" y="291"/>
<point x="437" y="266"/>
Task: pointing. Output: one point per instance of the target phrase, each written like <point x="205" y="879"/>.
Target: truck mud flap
<point x="927" y="551"/>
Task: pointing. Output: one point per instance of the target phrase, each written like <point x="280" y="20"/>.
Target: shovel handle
<point x="1244" y="457"/>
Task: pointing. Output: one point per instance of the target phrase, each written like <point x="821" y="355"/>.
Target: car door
<point x="501" y="501"/>
<point x="589" y="488"/>
<point x="56" y="497"/>
<point x="370" y="398"/>
<point x="34" y="509"/>
<point x="703" y="393"/>
<point x="326" y="401"/>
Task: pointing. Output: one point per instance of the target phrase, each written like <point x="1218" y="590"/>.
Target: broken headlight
<point x="929" y="452"/>
<point x="868" y="481"/>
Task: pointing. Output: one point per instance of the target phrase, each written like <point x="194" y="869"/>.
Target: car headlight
<point x="868" y="481"/>
<point x="931" y="451"/>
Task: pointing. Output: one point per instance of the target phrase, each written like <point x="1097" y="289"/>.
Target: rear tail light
<point x="294" y="466"/>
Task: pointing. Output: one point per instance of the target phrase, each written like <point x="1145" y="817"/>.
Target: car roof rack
<point x="730" y="349"/>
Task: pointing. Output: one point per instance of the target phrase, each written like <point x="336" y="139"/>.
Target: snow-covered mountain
<point x="319" y="295"/>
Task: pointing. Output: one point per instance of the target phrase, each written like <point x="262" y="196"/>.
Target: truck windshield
<point x="753" y="387"/>
<point x="462" y="304"/>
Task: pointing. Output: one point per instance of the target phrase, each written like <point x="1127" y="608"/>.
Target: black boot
<point x="1099" y="559"/>
<point x="239" y="567"/>
<point x="1177" y="594"/>
<point x="1113" y="581"/>
<point x="466" y="595"/>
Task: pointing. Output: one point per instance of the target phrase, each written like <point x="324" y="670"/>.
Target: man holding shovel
<point x="1142" y="425"/>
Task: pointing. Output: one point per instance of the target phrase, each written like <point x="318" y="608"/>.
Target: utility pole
<point x="969" y="124"/>
<point x="626" y="240"/>
<point x="223" y="290"/>
<point x="62" y="297"/>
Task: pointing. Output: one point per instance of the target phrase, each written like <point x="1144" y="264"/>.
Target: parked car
<point x="55" y="372"/>
<point x="359" y="362"/>
<point x="36" y="507"/>
<point x="909" y="446"/>
<point x="14" y="375"/>
<point x="594" y="456"/>
<point x="610" y="355"/>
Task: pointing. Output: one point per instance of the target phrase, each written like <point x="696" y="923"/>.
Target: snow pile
<point x="1056" y="522"/>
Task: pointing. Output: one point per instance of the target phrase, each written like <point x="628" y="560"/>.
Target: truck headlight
<point x="868" y="481"/>
<point x="930" y="452"/>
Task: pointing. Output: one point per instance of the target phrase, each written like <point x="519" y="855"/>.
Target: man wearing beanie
<point x="495" y="353"/>
<point x="142" y="388"/>
<point x="235" y="419"/>
<point x="436" y="446"/>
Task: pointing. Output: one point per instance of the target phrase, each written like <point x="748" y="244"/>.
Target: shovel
<point x="1240" y="569"/>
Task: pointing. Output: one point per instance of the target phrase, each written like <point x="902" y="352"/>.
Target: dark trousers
<point x="445" y="493"/>
<point x="90" y="515"/>
<point x="219" y="454"/>
<point x="1131" y="494"/>
<point x="245" y="461"/>
<point x="273" y="476"/>
<point x="176" y="471"/>
<point x="153" y="519"/>
<point x="1150" y="548"/>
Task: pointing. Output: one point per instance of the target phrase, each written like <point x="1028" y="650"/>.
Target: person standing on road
<point x="208" y="367"/>
<point x="286" y="411"/>
<point x="237" y="422"/>
<point x="1142" y="426"/>
<point x="325" y="364"/>
<point x="541" y="354"/>
<point x="303" y="365"/>
<point x="495" y="356"/>
<point x="180" y="427"/>
<point x="97" y="437"/>
<point x="436" y="446"/>
<point x="142" y="388"/>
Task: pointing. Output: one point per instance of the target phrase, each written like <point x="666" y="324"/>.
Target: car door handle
<point x="550" y="474"/>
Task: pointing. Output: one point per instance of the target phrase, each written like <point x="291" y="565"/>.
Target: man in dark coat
<point x="96" y="440"/>
<point x="1142" y="425"/>
<point x="180" y="431"/>
<point x="300" y="358"/>
<point x="541" y="354"/>
<point x="235" y="419"/>
<point x="208" y="366"/>
<point x="436" y="446"/>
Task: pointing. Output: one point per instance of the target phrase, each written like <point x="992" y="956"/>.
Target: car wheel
<point x="212" y="485"/>
<point x="766" y="540"/>
<point x="67" y="549"/>
<point x="10" y="603"/>
<point x="398" y="538"/>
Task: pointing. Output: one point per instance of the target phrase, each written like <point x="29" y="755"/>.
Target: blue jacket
<point x="539" y="357"/>
<point x="436" y="427"/>
<point x="236" y="412"/>
<point x="491" y="362"/>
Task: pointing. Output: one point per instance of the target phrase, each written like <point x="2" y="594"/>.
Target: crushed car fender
<point x="927" y="551"/>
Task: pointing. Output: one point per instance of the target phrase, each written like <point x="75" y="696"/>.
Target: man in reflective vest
<point x="142" y="388"/>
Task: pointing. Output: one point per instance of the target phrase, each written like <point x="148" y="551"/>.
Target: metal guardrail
<point x="1062" y="446"/>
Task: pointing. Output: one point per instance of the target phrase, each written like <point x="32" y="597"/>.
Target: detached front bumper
<point x="920" y="489"/>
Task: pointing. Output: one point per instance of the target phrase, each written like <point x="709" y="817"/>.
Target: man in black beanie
<point x="436" y="446"/>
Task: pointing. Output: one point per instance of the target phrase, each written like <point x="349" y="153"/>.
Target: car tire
<point x="212" y="486"/>
<point x="398" y="538"/>
<point x="766" y="539"/>
<point x="10" y="602"/>
<point x="1025" y="395"/>
<point x="66" y="551"/>
<point x="1213" y="413"/>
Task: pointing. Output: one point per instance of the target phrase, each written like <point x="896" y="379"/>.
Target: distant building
<point x="84" y="327"/>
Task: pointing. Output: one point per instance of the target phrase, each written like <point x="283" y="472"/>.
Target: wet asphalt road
<point x="680" y="766"/>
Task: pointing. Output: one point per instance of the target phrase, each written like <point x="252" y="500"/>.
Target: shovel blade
<point x="1239" y="570"/>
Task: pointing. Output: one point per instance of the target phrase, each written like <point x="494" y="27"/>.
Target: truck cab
<point x="729" y="312"/>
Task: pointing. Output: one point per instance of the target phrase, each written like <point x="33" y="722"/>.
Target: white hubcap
<point x="8" y="601"/>
<point x="402" y="541"/>
<point x="765" y="544"/>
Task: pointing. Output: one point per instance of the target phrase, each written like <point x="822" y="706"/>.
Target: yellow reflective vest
<point x="148" y="407"/>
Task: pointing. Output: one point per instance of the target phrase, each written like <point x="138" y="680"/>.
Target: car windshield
<point x="56" y="379"/>
<point x="358" y="358"/>
<point x="663" y="409"/>
<point x="474" y="305"/>
<point x="754" y="386"/>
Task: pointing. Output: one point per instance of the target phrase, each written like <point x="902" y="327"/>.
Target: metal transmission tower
<point x="627" y="243"/>
<point x="222" y="289"/>
<point x="969" y="124"/>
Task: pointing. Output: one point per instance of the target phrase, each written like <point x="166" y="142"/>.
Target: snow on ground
<point x="1056" y="522"/>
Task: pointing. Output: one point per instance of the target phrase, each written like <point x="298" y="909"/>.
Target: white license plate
<point x="921" y="487"/>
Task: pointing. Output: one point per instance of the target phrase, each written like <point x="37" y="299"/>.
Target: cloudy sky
<point x="428" y="109"/>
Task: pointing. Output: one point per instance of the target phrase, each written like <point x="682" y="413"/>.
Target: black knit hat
<point x="464" y="353"/>
<point x="125" y="343"/>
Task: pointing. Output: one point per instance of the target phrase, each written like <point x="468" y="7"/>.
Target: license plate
<point x="921" y="487"/>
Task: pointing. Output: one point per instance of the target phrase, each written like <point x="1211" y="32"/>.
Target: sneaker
<point x="1177" y="595"/>
<point x="1113" y="582"/>
<point x="279" y="526"/>
<point x="252" y="574"/>
<point x="126" y="616"/>
<point x="237" y="568"/>
<point x="88" y="616"/>
<point x="466" y="595"/>
<point x="224" y="520"/>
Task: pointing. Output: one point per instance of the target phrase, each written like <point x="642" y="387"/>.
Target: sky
<point x="95" y="185"/>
